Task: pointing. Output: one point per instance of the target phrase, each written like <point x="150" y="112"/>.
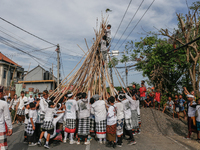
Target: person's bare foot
<point x="12" y="122"/>
<point x="162" y="111"/>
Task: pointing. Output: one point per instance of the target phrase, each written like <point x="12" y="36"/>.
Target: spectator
<point x="176" y="105"/>
<point x="169" y="105"/>
<point x="198" y="117"/>
<point x="147" y="102"/>
<point x="182" y="103"/>
<point x="158" y="98"/>
<point x="142" y="91"/>
<point x="134" y="90"/>
<point x="152" y="96"/>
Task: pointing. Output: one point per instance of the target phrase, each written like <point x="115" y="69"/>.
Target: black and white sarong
<point x="84" y="126"/>
<point x="47" y="125"/>
<point x="92" y="121"/>
<point x="128" y="123"/>
<point x="134" y="118"/>
<point x="101" y="129"/>
<point x="70" y="123"/>
<point x="29" y="129"/>
<point x="20" y="112"/>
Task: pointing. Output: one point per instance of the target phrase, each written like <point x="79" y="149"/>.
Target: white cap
<point x="191" y="96"/>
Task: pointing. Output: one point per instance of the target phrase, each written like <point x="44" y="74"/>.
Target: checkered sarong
<point x="92" y="124"/>
<point x="29" y="129"/>
<point x="47" y="125"/>
<point x="3" y="141"/>
<point x="129" y="125"/>
<point x="84" y="126"/>
<point x="20" y="112"/>
<point x="120" y="125"/>
<point x="42" y="118"/>
<point x="70" y="123"/>
<point x="139" y="119"/>
<point x="134" y="118"/>
<point x="101" y="129"/>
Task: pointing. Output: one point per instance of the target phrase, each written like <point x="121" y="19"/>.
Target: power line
<point x="129" y="23"/>
<point x="122" y="20"/>
<point x="137" y="23"/>
<point x="26" y="31"/>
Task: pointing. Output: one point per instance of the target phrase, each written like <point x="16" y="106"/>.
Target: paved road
<point x="151" y="138"/>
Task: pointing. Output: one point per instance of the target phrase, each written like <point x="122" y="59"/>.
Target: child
<point x="84" y="120"/>
<point x="158" y="98"/>
<point x="176" y="105"/>
<point x="31" y="132"/>
<point x="26" y="105"/>
<point x="147" y="102"/>
<point x="104" y="48"/>
<point x="120" y="120"/>
<point x="70" y="118"/>
<point x="182" y="102"/>
<point x="92" y="119"/>
<point x="142" y="91"/>
<point x="128" y="120"/>
<point x="169" y="105"/>
<point x="198" y="117"/>
<point x="99" y="110"/>
<point x="111" y="123"/>
<point x="108" y="34"/>
<point x="48" y="124"/>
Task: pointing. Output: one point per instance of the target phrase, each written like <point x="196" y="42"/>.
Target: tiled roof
<point x="6" y="59"/>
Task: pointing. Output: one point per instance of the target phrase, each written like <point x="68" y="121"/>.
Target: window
<point x="4" y="74"/>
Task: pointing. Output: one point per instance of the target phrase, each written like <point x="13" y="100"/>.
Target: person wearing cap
<point x="70" y="118"/>
<point x="30" y="99"/>
<point x="21" y="108"/>
<point x="98" y="108"/>
<point x="5" y="119"/>
<point x="120" y="120"/>
<point x="191" y="116"/>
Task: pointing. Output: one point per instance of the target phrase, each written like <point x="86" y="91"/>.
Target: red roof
<point x="6" y="59"/>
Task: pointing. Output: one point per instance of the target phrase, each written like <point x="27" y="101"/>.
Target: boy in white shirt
<point x="128" y="119"/>
<point x="70" y="118"/>
<point x="26" y="105"/>
<point x="48" y="124"/>
<point x="120" y="120"/>
<point x="84" y="120"/>
<point x="20" y="107"/>
<point x="99" y="110"/>
<point x="31" y="133"/>
<point x="111" y="123"/>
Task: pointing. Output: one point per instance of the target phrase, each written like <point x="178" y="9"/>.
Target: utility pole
<point x="58" y="66"/>
<point x="126" y="71"/>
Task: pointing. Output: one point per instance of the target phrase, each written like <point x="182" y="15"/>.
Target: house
<point x="10" y="72"/>
<point x="39" y="79"/>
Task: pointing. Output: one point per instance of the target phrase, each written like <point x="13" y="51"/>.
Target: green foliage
<point x="114" y="62"/>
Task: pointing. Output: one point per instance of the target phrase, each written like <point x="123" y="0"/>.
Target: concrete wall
<point x="40" y="86"/>
<point x="36" y="74"/>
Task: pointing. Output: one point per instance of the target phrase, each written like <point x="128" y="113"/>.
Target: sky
<point x="68" y="23"/>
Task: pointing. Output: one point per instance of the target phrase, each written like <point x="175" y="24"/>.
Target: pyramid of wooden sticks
<point x="92" y="75"/>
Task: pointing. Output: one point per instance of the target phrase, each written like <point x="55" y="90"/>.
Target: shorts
<point x="198" y="125"/>
<point x="51" y="131"/>
<point x="177" y="109"/>
<point x="181" y="108"/>
<point x="170" y="109"/>
<point x="142" y="98"/>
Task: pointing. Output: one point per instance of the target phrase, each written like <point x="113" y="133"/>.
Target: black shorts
<point x="49" y="131"/>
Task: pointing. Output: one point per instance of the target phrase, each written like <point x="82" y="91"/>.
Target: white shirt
<point x="13" y="103"/>
<point x="84" y="107"/>
<point x="30" y="99"/>
<point x="43" y="105"/>
<point x="4" y="116"/>
<point x="134" y="104"/>
<point x="120" y="110"/>
<point x="71" y="108"/>
<point x="26" y="112"/>
<point x="99" y="110"/>
<point x="33" y="115"/>
<point x="191" y="110"/>
<point x="127" y="109"/>
<point x="103" y="45"/>
<point x="198" y="111"/>
<point x="108" y="33"/>
<point x="21" y="102"/>
<point x="112" y="115"/>
<point x="50" y="112"/>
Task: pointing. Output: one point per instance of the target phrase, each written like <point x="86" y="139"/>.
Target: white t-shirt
<point x="112" y="115"/>
<point x="21" y="102"/>
<point x="108" y="33"/>
<point x="49" y="114"/>
<point x="71" y="108"/>
<point x="134" y="104"/>
<point x="26" y="112"/>
<point x="198" y="111"/>
<point x="170" y="104"/>
<point x="191" y="110"/>
<point x="43" y="105"/>
<point x="33" y="115"/>
<point x="99" y="110"/>
<point x="30" y="99"/>
<point x="120" y="110"/>
<point x="13" y="103"/>
<point x="103" y="45"/>
<point x="127" y="109"/>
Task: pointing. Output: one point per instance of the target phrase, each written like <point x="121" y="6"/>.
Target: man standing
<point x="134" y="90"/>
<point x="4" y="119"/>
<point x="142" y="93"/>
<point x="30" y="99"/>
